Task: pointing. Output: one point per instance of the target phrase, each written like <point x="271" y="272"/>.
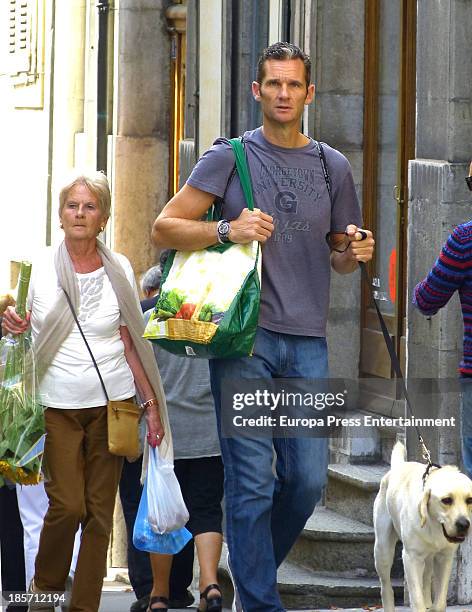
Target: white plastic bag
<point x="166" y="507"/>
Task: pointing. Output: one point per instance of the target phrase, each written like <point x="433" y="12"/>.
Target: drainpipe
<point x="51" y="127"/>
<point x="102" y="81"/>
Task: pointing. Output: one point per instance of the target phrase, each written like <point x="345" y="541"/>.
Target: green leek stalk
<point x="21" y="416"/>
<point x="23" y="284"/>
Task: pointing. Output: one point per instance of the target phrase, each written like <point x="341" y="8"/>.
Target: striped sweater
<point x="451" y="272"/>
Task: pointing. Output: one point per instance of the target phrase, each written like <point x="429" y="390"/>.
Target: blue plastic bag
<point x="147" y="540"/>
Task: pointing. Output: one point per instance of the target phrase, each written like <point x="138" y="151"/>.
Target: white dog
<point x="431" y="518"/>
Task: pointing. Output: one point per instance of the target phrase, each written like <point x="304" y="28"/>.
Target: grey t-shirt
<point x="289" y="185"/>
<point x="190" y="404"/>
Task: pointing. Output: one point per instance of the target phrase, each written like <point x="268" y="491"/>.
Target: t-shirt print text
<point x="288" y="178"/>
<point x="290" y="183"/>
<point x="283" y="230"/>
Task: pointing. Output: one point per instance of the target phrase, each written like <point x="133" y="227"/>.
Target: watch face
<point x="224" y="228"/>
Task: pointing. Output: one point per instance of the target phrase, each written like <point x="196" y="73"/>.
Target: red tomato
<point x="186" y="311"/>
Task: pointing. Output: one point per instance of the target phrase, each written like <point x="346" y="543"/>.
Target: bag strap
<point x="211" y="216"/>
<point x="243" y="170"/>
<point x="246" y="184"/>
<point x="86" y="344"/>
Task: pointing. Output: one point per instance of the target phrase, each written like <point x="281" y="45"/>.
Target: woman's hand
<point x="154" y="425"/>
<point x="12" y="323"/>
<point x="145" y="390"/>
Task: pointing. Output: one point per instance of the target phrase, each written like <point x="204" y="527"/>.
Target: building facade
<point x="140" y="88"/>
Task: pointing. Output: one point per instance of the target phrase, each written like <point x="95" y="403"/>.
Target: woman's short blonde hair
<point x="94" y="180"/>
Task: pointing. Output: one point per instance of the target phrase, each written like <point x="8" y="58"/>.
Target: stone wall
<point x="140" y="147"/>
<point x="439" y="200"/>
<point x="139" y="151"/>
<point x="337" y="52"/>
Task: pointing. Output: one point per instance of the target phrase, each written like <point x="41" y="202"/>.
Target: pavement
<point x="120" y="599"/>
<point x="116" y="600"/>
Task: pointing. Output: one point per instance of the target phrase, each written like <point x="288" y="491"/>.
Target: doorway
<point x="389" y="143"/>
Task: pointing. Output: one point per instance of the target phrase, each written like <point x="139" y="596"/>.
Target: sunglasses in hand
<point x="340" y="245"/>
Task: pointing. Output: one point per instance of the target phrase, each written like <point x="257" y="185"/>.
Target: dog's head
<point x="447" y="500"/>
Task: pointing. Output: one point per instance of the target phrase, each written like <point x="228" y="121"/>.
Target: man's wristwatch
<point x="223" y="229"/>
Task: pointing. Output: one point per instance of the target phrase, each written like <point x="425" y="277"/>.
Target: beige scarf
<point x="59" y="322"/>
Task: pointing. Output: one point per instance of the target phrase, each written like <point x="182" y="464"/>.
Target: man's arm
<point x="359" y="249"/>
<point x="179" y="225"/>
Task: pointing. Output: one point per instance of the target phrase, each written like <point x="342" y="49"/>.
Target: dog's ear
<point x="423" y="507"/>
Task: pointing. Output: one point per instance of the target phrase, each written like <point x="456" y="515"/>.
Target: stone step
<point x="331" y="542"/>
<point x="352" y="489"/>
<point x="303" y="589"/>
<point x="334" y="543"/>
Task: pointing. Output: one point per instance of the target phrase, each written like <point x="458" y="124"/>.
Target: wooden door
<point x="389" y="142"/>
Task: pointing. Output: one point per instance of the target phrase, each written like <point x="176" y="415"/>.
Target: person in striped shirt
<point x="453" y="272"/>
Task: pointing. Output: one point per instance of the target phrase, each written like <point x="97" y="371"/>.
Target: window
<point x="25" y="51"/>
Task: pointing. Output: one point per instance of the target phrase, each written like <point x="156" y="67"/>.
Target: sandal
<point x="214" y="603"/>
<point x="158" y="599"/>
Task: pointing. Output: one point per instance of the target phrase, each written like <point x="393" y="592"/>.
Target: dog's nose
<point x="462" y="524"/>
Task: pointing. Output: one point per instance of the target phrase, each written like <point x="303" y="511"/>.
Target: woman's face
<point x="81" y="216"/>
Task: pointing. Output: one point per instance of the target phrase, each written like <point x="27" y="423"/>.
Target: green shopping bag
<point x="209" y="300"/>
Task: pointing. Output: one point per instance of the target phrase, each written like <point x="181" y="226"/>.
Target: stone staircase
<point x="332" y="562"/>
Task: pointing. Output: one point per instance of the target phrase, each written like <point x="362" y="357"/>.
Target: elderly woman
<point x="83" y="475"/>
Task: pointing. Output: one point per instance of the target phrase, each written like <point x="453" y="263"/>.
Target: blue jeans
<point x="266" y="513"/>
<point x="466" y="417"/>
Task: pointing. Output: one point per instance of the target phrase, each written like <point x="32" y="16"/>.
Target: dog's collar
<point x="428" y="470"/>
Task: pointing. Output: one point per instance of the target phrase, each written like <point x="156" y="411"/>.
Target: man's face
<point x="283" y="92"/>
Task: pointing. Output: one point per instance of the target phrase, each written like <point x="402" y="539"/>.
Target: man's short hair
<point x="283" y="51"/>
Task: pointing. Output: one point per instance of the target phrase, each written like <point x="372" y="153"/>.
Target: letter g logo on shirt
<point x="286" y="202"/>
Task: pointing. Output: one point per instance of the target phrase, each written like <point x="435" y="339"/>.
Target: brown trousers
<point x="82" y="487"/>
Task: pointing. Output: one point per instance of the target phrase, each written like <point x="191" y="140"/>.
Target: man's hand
<point x="361" y="247"/>
<point x="251" y="225"/>
<point x="12" y="323"/>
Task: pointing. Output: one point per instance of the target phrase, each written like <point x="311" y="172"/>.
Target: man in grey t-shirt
<point x="265" y="514"/>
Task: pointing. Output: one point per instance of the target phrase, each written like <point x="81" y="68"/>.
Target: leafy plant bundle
<point x="21" y="415"/>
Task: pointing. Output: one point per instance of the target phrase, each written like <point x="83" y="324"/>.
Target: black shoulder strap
<point x="324" y="167"/>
